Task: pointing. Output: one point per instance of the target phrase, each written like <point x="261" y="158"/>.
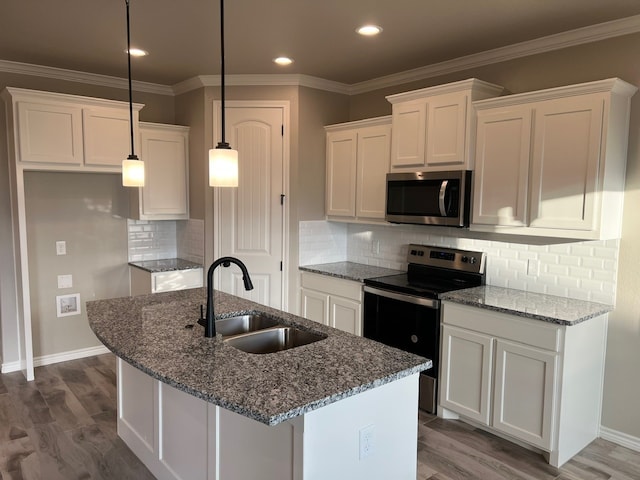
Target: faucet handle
<point x="202" y="321"/>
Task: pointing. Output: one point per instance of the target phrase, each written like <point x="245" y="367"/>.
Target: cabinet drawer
<point x="333" y="286"/>
<point x="176" y="280"/>
<point x="510" y="327"/>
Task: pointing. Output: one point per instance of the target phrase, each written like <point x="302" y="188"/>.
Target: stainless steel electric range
<point x="403" y="311"/>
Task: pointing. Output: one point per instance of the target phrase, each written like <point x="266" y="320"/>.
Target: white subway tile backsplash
<point x="584" y="270"/>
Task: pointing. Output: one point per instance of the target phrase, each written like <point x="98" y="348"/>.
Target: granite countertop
<point x="165" y="265"/>
<point x="149" y="332"/>
<point x="538" y="306"/>
<point x="350" y="270"/>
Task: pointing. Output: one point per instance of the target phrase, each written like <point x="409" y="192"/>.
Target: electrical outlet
<point x="61" y="247"/>
<point x="65" y="281"/>
<point x="375" y="247"/>
<point x="367" y="441"/>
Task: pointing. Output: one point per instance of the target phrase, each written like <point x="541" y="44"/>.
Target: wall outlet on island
<point x="367" y="441"/>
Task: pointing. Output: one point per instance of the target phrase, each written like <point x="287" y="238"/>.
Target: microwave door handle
<point x="441" y="197"/>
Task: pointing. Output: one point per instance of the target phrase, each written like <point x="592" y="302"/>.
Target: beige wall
<point x="77" y="208"/>
<point x="616" y="57"/>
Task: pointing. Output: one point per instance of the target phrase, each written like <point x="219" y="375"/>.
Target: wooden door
<point x="250" y="218"/>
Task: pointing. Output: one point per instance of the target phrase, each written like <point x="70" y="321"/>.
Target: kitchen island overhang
<point x="328" y="393"/>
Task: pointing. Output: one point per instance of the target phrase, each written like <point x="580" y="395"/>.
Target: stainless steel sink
<point x="273" y="340"/>
<point x="239" y="324"/>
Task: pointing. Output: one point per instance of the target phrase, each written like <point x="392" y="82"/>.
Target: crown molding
<point x="262" y="80"/>
<point x="82" y="77"/>
<point x="593" y="33"/>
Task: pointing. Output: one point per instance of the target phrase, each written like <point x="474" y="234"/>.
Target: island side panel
<point x="335" y="435"/>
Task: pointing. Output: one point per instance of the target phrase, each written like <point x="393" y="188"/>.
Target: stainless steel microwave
<point x="429" y="198"/>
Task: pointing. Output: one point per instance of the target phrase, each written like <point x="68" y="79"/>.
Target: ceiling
<point x="182" y="36"/>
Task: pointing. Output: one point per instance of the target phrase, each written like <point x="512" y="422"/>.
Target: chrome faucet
<point x="210" y="324"/>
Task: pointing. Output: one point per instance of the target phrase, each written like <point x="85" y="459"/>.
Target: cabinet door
<point x="165" y="193"/>
<point x="524" y="392"/>
<point x="565" y="162"/>
<point x="345" y="314"/>
<point x="183" y="422"/>
<point x="137" y="405"/>
<point x="107" y="138"/>
<point x="314" y="306"/>
<point x="465" y="373"/>
<point x="409" y="123"/>
<point x="373" y="154"/>
<point x="341" y="173"/>
<point x="50" y="133"/>
<point x="446" y="131"/>
<point x="502" y="167"/>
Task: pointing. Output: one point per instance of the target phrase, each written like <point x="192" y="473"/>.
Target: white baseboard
<point x="620" y="438"/>
<point x="10" y="367"/>
<point x="70" y="355"/>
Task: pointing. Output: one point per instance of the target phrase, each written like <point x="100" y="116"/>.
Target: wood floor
<point x="62" y="426"/>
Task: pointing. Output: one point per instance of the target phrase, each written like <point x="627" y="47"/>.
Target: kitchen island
<point x="195" y="407"/>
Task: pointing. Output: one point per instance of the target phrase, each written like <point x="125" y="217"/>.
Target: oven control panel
<point x="450" y="258"/>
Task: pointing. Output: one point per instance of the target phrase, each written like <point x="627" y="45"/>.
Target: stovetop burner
<point x="433" y="271"/>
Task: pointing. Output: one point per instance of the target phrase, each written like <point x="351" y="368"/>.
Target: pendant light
<point x="223" y="160"/>
<point x="132" y="167"/>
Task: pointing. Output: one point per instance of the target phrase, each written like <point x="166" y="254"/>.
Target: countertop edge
<point x="473" y="297"/>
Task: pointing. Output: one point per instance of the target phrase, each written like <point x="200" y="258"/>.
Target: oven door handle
<point x="424" y="302"/>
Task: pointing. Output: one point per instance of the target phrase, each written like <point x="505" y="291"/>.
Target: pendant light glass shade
<point x="132" y="167"/>
<point x="133" y="173"/>
<point x="223" y="167"/>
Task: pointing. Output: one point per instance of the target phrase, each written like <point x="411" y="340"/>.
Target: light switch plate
<point x="61" y="247"/>
<point x="65" y="281"/>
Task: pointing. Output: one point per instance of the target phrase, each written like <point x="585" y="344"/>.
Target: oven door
<point x="408" y="323"/>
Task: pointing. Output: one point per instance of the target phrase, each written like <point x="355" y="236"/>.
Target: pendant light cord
<point x="133" y="156"/>
<point x="222" y="143"/>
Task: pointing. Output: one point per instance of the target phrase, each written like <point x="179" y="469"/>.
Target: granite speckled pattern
<point x="165" y="265"/>
<point x="350" y="270"/>
<point x="538" y="306"/>
<point x="148" y="331"/>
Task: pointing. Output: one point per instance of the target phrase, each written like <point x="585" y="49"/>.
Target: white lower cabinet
<point x="332" y="301"/>
<point x="536" y="382"/>
<point x="181" y="437"/>
<point x="144" y="282"/>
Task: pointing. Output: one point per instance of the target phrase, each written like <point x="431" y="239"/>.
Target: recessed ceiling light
<point x="369" y="30"/>
<point x="136" y="52"/>
<point x="283" y="61"/>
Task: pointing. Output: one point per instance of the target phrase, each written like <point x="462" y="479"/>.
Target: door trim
<point x="286" y="148"/>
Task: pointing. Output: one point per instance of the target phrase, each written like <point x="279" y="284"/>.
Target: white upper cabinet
<point x="56" y="131"/>
<point x="107" y="137"/>
<point x="49" y="133"/>
<point x="357" y="166"/>
<point x="552" y="163"/>
<point x="165" y="195"/>
<point x="434" y="128"/>
<point x="502" y="163"/>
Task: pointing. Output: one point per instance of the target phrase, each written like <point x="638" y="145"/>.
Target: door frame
<point x="286" y="151"/>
